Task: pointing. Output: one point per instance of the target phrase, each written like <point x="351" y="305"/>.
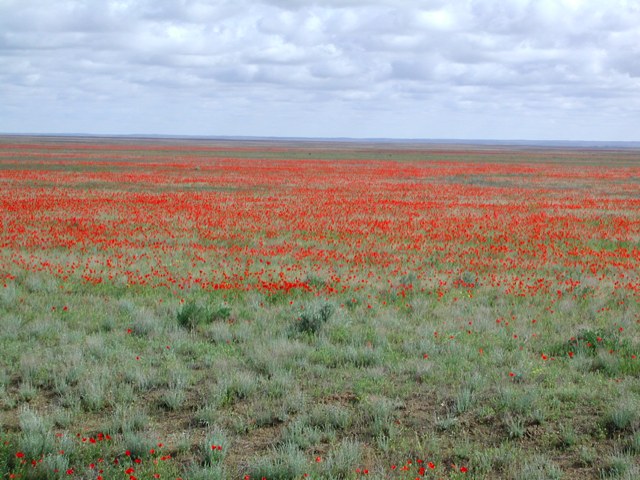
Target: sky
<point x="431" y="69"/>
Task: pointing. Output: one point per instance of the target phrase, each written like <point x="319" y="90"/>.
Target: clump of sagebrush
<point x="267" y="414"/>
<point x="342" y="459"/>
<point x="125" y="419"/>
<point x="207" y="415"/>
<point x="313" y="318"/>
<point x="329" y="417"/>
<point x="377" y="415"/>
<point x="464" y="400"/>
<point x="634" y="443"/>
<point x="214" y="447"/>
<point x="301" y="434"/>
<point x="138" y="445"/>
<point x="93" y="392"/>
<point x="146" y="323"/>
<point x="236" y="385"/>
<point x="538" y="467"/>
<point x="515" y="426"/>
<point x="208" y="472"/>
<point x="175" y="395"/>
<point x="36" y="436"/>
<point x="567" y="437"/>
<point x="619" y="465"/>
<point x="27" y="391"/>
<point x="619" y="418"/>
<point x="283" y="462"/>
<point x="192" y="314"/>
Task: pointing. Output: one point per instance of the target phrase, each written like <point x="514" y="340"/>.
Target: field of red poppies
<point x="331" y="310"/>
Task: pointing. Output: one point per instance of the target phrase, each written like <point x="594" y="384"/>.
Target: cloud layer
<point x="537" y="69"/>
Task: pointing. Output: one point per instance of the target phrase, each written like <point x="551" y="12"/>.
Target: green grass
<point x="289" y="395"/>
<point x="388" y="377"/>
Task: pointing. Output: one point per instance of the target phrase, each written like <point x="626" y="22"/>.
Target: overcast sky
<point x="476" y="69"/>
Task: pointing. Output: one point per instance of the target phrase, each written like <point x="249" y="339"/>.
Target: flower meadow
<point x="262" y="309"/>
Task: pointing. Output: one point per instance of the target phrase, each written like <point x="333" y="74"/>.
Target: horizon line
<point x="345" y="139"/>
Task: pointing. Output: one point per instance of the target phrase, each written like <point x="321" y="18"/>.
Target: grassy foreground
<point x="290" y="311"/>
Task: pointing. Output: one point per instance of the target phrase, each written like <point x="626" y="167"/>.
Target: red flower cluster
<point x="241" y="223"/>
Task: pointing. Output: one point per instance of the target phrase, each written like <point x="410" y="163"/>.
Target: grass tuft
<point x="314" y="318"/>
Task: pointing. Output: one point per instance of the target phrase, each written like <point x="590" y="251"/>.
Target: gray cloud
<point x="374" y="68"/>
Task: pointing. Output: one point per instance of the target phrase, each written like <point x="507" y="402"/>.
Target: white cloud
<point x="440" y="64"/>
